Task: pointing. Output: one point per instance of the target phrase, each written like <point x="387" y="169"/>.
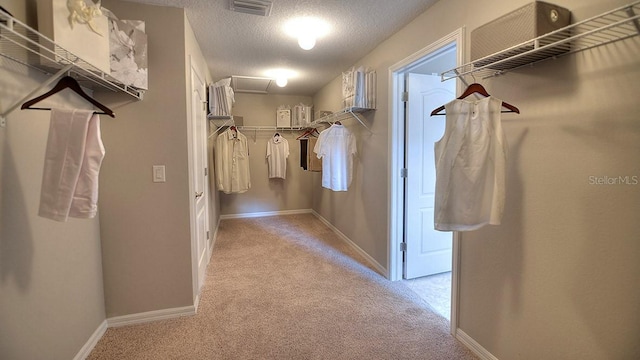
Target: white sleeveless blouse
<point x="470" y="166"/>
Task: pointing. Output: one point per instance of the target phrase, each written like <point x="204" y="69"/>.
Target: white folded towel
<point x="72" y="163"/>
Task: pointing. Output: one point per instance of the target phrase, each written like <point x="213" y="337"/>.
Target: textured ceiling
<point x="249" y="45"/>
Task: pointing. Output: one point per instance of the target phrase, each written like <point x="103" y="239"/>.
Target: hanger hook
<point x="474" y="78"/>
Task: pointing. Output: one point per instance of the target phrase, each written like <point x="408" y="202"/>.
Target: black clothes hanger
<point x="478" y="89"/>
<point x="67" y="82"/>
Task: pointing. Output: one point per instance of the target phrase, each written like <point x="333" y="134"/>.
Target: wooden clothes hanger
<point x="477" y="89"/>
<point x="307" y="133"/>
<point x="67" y="82"/>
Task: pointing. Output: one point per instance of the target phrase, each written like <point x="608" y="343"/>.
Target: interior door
<point x="428" y="251"/>
<point x="199" y="170"/>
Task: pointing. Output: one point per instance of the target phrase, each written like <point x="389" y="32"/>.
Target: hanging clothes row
<point x="308" y="161"/>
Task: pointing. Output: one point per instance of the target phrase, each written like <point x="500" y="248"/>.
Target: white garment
<point x="336" y="146"/>
<point x="232" y="162"/>
<point x="72" y="163"/>
<point x="470" y="166"/>
<point x="277" y="154"/>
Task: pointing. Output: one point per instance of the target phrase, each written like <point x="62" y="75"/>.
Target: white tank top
<point x="470" y="166"/>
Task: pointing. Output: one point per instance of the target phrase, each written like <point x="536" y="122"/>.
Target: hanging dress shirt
<point x="470" y="166"/>
<point x="336" y="146"/>
<point x="277" y="154"/>
<point x="232" y="162"/>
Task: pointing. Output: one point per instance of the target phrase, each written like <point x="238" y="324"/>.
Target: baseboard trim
<point x="376" y="265"/>
<point x="473" y="345"/>
<point x="265" y="213"/>
<point x="149" y="316"/>
<point x="91" y="343"/>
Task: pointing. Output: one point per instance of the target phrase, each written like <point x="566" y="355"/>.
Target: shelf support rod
<point x="58" y="75"/>
<point x="631" y="14"/>
<point x="360" y="121"/>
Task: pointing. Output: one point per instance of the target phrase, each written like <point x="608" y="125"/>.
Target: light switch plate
<point x="159" y="173"/>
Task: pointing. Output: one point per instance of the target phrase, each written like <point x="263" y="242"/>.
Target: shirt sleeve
<point x="318" y="147"/>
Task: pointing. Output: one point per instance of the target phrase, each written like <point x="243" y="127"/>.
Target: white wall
<point x="557" y="279"/>
<point x="265" y="195"/>
<point x="145" y="225"/>
<point x="51" y="293"/>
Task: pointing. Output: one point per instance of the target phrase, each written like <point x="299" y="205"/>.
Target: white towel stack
<point x="359" y="88"/>
<point x="221" y="98"/>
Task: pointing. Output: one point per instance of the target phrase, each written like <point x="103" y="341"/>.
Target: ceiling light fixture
<point x="307" y="30"/>
<point x="281" y="76"/>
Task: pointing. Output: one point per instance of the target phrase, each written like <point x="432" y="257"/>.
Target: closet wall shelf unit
<point x="29" y="48"/>
<point x="347" y="113"/>
<point x="617" y="24"/>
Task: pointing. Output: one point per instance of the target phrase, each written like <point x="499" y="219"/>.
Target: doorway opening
<point x="425" y="259"/>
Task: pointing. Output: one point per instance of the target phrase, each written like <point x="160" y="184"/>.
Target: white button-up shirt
<point x="232" y="162"/>
<point x="336" y="146"/>
<point x="277" y="154"/>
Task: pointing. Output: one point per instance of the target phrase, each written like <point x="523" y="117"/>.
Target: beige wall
<point x="557" y="279"/>
<point x="145" y="225"/>
<point x="51" y="292"/>
<point x="292" y="193"/>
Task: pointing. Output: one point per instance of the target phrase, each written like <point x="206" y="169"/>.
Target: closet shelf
<point x="342" y="114"/>
<point x="28" y="47"/>
<point x="614" y="25"/>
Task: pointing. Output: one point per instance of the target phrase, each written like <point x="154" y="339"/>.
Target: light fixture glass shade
<point x="282" y="81"/>
<point x="307" y="42"/>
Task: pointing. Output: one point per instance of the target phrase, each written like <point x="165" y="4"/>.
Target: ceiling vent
<point x="250" y="84"/>
<point x="253" y="7"/>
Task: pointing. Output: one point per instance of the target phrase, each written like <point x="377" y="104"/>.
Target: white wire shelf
<point x="617" y="24"/>
<point x="341" y="115"/>
<point x="25" y="45"/>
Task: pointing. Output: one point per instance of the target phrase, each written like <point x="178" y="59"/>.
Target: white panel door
<point x="199" y="175"/>
<point x="428" y="251"/>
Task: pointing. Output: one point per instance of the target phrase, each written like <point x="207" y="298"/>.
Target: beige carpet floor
<point x="286" y="287"/>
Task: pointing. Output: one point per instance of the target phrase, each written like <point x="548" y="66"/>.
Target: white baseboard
<point x="379" y="268"/>
<point x="473" y="345"/>
<point x="145" y="317"/>
<point x="91" y="343"/>
<point x="265" y="213"/>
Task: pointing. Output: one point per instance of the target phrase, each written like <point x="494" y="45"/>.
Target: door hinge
<point x="206" y="171"/>
<point x="403" y="173"/>
<point x="405" y="96"/>
<point x="204" y="105"/>
<point x="207" y="235"/>
<point x="403" y="246"/>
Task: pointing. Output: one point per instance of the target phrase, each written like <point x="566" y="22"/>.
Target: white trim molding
<point x="149" y="316"/>
<point x="473" y="345"/>
<point x="376" y="265"/>
<point x="91" y="343"/>
<point x="265" y="213"/>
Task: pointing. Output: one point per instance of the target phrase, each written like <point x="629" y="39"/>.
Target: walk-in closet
<point x="360" y="179"/>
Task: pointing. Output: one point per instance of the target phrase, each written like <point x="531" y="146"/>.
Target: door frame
<point x="397" y="160"/>
<point x="191" y="117"/>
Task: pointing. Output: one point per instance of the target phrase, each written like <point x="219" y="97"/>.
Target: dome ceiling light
<point x="307" y="30"/>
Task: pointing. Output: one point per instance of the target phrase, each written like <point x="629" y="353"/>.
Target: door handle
<point x="198" y="194"/>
